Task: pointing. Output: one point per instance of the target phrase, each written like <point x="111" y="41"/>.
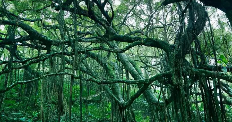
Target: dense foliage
<point x="115" y="60"/>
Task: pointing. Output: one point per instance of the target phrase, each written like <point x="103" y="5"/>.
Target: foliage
<point x="122" y="60"/>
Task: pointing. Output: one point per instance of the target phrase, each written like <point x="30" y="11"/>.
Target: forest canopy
<point x="115" y="60"/>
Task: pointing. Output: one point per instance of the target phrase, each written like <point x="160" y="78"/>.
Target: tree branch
<point x="32" y="80"/>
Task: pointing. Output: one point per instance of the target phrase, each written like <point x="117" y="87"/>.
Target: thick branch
<point x="145" y="86"/>
<point x="202" y="72"/>
<point x="224" y="5"/>
<point x="144" y="41"/>
<point x="33" y="33"/>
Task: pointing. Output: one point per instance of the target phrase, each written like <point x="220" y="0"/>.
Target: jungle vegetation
<point x="115" y="60"/>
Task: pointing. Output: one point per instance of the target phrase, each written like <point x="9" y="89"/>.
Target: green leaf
<point x="219" y="62"/>
<point x="223" y="59"/>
